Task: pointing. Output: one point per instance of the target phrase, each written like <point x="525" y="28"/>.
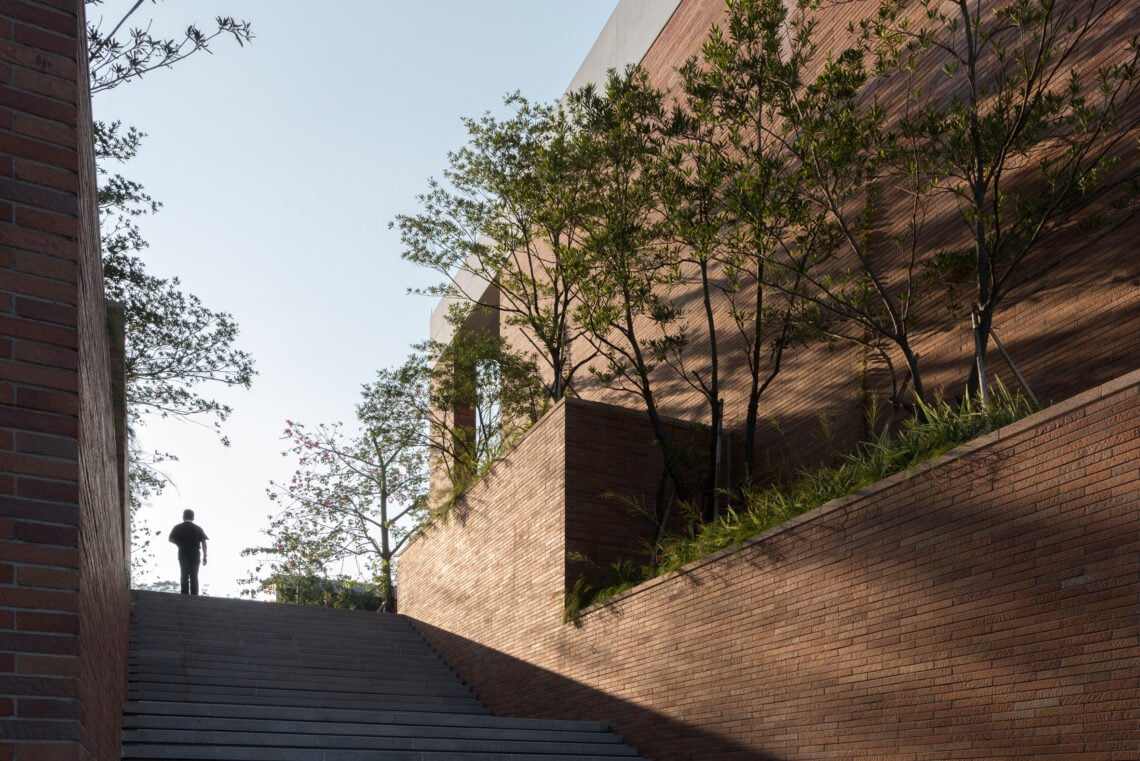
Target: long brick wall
<point x="64" y="599"/>
<point x="982" y="607"/>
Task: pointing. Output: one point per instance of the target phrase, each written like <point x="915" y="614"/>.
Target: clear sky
<point x="279" y="166"/>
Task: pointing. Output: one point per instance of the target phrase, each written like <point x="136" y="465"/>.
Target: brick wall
<point x="616" y="483"/>
<point x="497" y="571"/>
<point x="64" y="602"/>
<point x="983" y="607"/>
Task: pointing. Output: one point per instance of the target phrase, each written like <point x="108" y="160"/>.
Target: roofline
<point x="628" y="35"/>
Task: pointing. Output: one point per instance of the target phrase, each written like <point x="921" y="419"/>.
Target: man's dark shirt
<point x="188" y="536"/>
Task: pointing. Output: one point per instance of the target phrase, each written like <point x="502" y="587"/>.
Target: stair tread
<point x="362" y="729"/>
<point x="174" y="708"/>
<point x="353" y="741"/>
<point x="250" y="753"/>
<point x="212" y="678"/>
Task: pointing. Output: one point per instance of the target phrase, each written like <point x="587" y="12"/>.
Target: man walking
<point x="188" y="535"/>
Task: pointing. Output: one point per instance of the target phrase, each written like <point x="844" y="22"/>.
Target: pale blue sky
<point x="280" y="166"/>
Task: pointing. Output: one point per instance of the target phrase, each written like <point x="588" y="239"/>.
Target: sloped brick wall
<point x="498" y="559"/>
<point x="983" y="607"/>
<point x="64" y="604"/>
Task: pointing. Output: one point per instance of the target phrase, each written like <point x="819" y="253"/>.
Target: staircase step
<point x="286" y="738"/>
<point x="196" y="710"/>
<point x="315" y="700"/>
<point x="230" y="679"/>
<point x="283" y="678"/>
<point x="417" y="729"/>
<point x="145" y="752"/>
<point x="241" y="657"/>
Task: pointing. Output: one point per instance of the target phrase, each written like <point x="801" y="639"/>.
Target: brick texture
<point x="64" y="599"/>
<point x="982" y="607"/>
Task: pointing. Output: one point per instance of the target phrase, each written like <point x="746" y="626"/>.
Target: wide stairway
<point x="214" y="678"/>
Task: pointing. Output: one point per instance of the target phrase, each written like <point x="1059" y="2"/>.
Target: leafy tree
<point x="732" y="200"/>
<point x="1021" y="131"/>
<point x="624" y="303"/>
<point x="510" y="213"/>
<point x="354" y="497"/>
<point x="482" y="397"/>
<point x="175" y="345"/>
<point x="850" y="170"/>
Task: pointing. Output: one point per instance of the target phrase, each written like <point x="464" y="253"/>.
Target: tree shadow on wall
<point x="515" y="688"/>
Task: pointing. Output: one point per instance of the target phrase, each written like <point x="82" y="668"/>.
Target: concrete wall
<point x="64" y="600"/>
<point x="982" y="607"/>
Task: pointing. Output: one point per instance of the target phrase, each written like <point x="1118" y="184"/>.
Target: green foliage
<point x="164" y="585"/>
<point x="482" y="398"/>
<point x="510" y="212"/>
<point x="939" y="427"/>
<point x="353" y="498"/>
<point x="319" y="591"/>
<point x="732" y="199"/>
<point x="602" y="585"/>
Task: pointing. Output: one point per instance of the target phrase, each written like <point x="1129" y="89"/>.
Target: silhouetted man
<point x="188" y="535"/>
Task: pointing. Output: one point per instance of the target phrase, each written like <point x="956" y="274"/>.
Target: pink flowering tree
<point x="354" y="496"/>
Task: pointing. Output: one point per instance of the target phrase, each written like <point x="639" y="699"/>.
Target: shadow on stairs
<point x="214" y="678"/>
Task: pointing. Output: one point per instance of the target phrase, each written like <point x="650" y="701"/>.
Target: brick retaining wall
<point x="982" y="607"/>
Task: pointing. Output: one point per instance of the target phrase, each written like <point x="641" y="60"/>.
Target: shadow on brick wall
<point x="650" y="732"/>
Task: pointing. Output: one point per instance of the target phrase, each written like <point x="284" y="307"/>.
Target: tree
<point x="114" y="59"/>
<point x="853" y="173"/>
<point x="482" y="397"/>
<point x="510" y="215"/>
<point x="624" y="303"/>
<point x="732" y="201"/>
<point x="175" y="345"/>
<point x="1021" y="131"/>
<point x="354" y="497"/>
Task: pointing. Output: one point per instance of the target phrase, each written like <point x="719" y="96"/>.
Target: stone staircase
<point x="213" y="678"/>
